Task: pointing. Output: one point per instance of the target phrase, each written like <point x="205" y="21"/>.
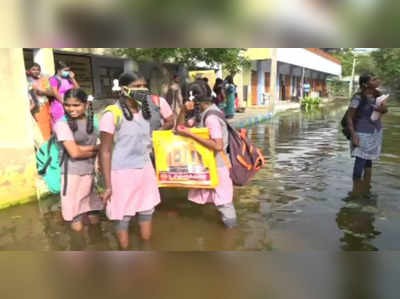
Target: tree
<point x="231" y="59"/>
<point x="387" y="61"/>
<point x="346" y="56"/>
<point x="365" y="64"/>
<point x="364" y="61"/>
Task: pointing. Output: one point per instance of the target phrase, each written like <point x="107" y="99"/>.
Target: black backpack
<point x="345" y="128"/>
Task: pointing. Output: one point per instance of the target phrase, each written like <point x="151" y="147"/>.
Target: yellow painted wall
<point x="258" y="53"/>
<point x="246" y="74"/>
<point x="210" y="74"/>
<point x="17" y="158"/>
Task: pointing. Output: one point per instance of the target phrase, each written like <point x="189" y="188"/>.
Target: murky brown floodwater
<point x="301" y="201"/>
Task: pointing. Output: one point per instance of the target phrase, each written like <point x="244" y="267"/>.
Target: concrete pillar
<point x="260" y="81"/>
<point x="238" y="80"/>
<point x="45" y="57"/>
<point x="17" y="157"/>
<point x="302" y="83"/>
<point x="291" y="82"/>
<point x="274" y="75"/>
<point x="219" y="72"/>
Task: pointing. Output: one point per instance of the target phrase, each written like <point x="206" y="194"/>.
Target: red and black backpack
<point x="245" y="158"/>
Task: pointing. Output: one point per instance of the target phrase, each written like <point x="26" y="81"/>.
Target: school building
<point x="278" y="74"/>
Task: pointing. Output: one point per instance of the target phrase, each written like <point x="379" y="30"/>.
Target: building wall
<point x="104" y="70"/>
<point x="258" y="53"/>
<point x="246" y="90"/>
<point x="17" y="158"/>
<point x="309" y="59"/>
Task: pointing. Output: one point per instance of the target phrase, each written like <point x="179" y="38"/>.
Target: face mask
<point x="65" y="74"/>
<point x="138" y="94"/>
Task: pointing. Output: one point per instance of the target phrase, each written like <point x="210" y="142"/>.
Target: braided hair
<point x="81" y="95"/>
<point x="125" y="110"/>
<point x="124" y="80"/>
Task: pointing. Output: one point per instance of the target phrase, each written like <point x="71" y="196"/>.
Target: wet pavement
<point x="301" y="201"/>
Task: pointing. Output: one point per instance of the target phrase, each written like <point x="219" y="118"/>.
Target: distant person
<point x="174" y="95"/>
<point x="366" y="134"/>
<point x="307" y="89"/>
<point x="39" y="91"/>
<point x="207" y="85"/>
<point x="237" y="104"/>
<point x="230" y="91"/>
<point x="61" y="82"/>
<point x="219" y="93"/>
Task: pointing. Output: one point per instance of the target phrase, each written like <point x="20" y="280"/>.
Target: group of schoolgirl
<point x="46" y="95"/>
<point x="124" y="155"/>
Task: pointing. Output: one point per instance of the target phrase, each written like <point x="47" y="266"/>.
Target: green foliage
<point x="309" y="103"/>
<point x="337" y="88"/>
<point x="346" y="56"/>
<point x="388" y="67"/>
<point x="364" y="62"/>
<point x="230" y="58"/>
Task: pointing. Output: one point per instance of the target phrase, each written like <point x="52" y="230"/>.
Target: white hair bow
<point x="191" y="96"/>
<point x="116" y="86"/>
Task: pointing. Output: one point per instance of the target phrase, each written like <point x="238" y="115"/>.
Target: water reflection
<point x="356" y="218"/>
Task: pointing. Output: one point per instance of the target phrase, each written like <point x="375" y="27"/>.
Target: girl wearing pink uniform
<point x="222" y="195"/>
<point x="130" y="179"/>
<point x="77" y="134"/>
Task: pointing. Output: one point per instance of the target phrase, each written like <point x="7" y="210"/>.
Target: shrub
<point x="309" y="103"/>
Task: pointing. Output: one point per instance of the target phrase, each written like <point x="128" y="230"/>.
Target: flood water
<point x="301" y="201"/>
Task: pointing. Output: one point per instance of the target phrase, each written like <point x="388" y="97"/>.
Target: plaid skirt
<point x="370" y="145"/>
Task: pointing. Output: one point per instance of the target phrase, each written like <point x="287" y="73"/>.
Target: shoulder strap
<point x="117" y="112"/>
<point x="219" y="114"/>
<point x="55" y="77"/>
<point x="95" y="122"/>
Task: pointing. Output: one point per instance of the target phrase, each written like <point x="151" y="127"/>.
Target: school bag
<point x="49" y="162"/>
<point x="245" y="159"/>
<point x="59" y="80"/>
<point x="345" y="129"/>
